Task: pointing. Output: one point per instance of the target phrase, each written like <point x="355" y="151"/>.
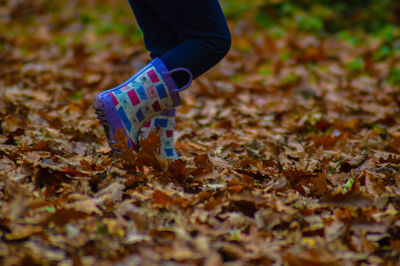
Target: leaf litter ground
<point x="290" y="152"/>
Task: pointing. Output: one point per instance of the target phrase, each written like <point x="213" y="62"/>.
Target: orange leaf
<point x="162" y="199"/>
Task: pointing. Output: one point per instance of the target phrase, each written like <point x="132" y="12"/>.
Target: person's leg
<point x="198" y="37"/>
<point x="159" y="38"/>
<point x="184" y="33"/>
<point x="152" y="91"/>
<point x="202" y="26"/>
<point x="158" y="35"/>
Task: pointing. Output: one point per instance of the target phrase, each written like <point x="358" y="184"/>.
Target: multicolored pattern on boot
<point x="165" y="124"/>
<point x="135" y="102"/>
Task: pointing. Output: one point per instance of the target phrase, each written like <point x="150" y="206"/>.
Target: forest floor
<point x="290" y="149"/>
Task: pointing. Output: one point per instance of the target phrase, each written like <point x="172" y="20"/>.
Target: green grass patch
<point x="395" y="76"/>
<point x="356" y="65"/>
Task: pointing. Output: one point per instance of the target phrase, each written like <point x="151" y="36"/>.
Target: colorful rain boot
<point x="165" y="123"/>
<point x="136" y="101"/>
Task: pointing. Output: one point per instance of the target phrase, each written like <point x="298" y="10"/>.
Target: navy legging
<point x="183" y="33"/>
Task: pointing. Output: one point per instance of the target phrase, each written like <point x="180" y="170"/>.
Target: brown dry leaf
<point x="231" y="252"/>
<point x="395" y="244"/>
<point x="353" y="162"/>
<point x="203" y="161"/>
<point x="177" y="170"/>
<point x="355" y="196"/>
<point x="112" y="193"/>
<point x="88" y="206"/>
<point x="212" y="203"/>
<point x="373" y="183"/>
<point x="311" y="257"/>
<point x="20" y="232"/>
<point x="235" y="186"/>
<point x="63" y="216"/>
<point x="161" y="199"/>
<point x="352" y="198"/>
<point x="128" y="154"/>
<point x="180" y="252"/>
<point x="303" y="181"/>
<point x="148" y="154"/>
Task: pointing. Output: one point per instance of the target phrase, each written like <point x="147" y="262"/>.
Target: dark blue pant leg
<point x="158" y="36"/>
<point x="204" y="37"/>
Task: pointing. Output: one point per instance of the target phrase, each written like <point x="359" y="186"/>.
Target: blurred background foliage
<point x="318" y="15"/>
<point x="99" y="22"/>
<point x="348" y="20"/>
<point x="328" y="16"/>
